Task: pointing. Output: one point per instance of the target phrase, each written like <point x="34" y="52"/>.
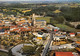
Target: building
<point x="77" y="46"/>
<point x="63" y="54"/>
<point x="59" y="38"/>
<point x="40" y="23"/>
<point x="78" y="33"/>
<point x="72" y="34"/>
<point x="33" y="20"/>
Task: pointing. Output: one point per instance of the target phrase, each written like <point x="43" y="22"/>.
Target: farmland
<point x="65" y="27"/>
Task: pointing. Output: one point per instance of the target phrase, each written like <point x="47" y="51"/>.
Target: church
<point x="38" y="23"/>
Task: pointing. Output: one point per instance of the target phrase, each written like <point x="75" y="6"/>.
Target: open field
<point x="65" y="27"/>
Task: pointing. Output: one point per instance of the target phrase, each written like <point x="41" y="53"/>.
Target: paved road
<point x="6" y="51"/>
<point x="47" y="46"/>
<point x="18" y="48"/>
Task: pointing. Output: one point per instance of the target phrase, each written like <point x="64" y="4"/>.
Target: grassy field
<point x="65" y="27"/>
<point x="3" y="54"/>
<point x="44" y="18"/>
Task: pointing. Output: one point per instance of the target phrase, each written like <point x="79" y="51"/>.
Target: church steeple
<point x="33" y="19"/>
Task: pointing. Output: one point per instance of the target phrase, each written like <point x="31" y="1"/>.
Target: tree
<point x="14" y="23"/>
<point x="78" y="26"/>
<point x="52" y="21"/>
<point x="10" y="52"/>
<point x="71" y="14"/>
<point x="31" y="36"/>
<point x="57" y="19"/>
<point x="30" y="50"/>
<point x="11" y="44"/>
<point x="41" y="10"/>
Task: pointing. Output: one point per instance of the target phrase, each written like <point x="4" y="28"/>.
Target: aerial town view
<point x="39" y="27"/>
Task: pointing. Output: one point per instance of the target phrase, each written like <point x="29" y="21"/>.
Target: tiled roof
<point x="13" y="26"/>
<point x="55" y="30"/>
<point x="63" y="54"/>
<point x="41" y="28"/>
<point x="78" y="42"/>
<point x="25" y="29"/>
<point x="6" y="34"/>
<point x="71" y="33"/>
<point x="6" y="27"/>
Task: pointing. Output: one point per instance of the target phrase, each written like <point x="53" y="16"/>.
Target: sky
<point x="39" y="0"/>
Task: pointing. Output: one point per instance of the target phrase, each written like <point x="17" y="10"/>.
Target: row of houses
<point x="12" y="25"/>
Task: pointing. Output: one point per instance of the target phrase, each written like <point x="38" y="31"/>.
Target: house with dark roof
<point x="40" y="23"/>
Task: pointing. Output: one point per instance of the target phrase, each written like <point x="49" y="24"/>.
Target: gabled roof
<point x="41" y="28"/>
<point x="55" y="30"/>
<point x="71" y="33"/>
<point x="14" y="26"/>
<point x="6" y="27"/>
<point x="25" y="29"/>
<point x="16" y="29"/>
<point x="63" y="54"/>
<point x="77" y="42"/>
<point x="6" y="33"/>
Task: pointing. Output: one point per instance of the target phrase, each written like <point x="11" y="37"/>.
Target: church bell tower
<point x="33" y="20"/>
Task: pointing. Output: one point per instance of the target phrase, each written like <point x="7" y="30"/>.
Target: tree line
<point x="70" y="14"/>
